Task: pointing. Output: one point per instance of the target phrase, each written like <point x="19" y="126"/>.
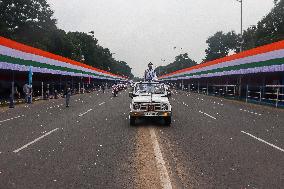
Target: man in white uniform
<point x="150" y="74"/>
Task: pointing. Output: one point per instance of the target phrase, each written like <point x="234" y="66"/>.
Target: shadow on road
<point x="150" y="122"/>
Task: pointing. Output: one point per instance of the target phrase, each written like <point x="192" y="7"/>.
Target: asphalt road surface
<point x="212" y="143"/>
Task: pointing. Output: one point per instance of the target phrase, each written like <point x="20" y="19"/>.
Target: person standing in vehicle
<point x="150" y="74"/>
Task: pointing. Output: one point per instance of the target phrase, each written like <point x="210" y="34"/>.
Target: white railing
<point x="272" y="94"/>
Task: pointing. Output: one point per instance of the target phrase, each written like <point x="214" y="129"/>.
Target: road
<point x="212" y="143"/>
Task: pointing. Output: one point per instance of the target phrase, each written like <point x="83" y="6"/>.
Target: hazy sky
<point x="139" y="31"/>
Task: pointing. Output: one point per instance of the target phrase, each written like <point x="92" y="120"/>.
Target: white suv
<point x="150" y="99"/>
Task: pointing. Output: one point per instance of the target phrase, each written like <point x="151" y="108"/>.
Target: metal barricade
<point x="224" y="90"/>
<point x="269" y="94"/>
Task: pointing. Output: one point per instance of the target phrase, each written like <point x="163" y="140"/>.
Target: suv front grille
<point x="144" y="106"/>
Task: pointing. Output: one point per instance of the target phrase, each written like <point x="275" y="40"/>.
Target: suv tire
<point x="132" y="120"/>
<point x="168" y="121"/>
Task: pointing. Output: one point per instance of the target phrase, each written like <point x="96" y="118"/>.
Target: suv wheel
<point x="168" y="121"/>
<point x="132" y="120"/>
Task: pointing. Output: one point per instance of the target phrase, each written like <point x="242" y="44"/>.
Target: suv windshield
<point x="147" y="88"/>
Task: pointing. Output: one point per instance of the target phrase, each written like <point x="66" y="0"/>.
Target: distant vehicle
<point x="150" y="99"/>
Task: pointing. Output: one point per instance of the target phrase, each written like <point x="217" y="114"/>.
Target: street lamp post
<point x="241" y="47"/>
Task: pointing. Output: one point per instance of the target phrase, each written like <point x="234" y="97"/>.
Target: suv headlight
<point x="136" y="106"/>
<point x="165" y="107"/>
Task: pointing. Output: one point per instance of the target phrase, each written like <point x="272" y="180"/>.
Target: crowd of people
<point x="26" y="93"/>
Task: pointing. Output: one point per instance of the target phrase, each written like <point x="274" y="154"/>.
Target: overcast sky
<point x="139" y="31"/>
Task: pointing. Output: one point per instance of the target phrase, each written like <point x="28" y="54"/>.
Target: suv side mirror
<point x="131" y="94"/>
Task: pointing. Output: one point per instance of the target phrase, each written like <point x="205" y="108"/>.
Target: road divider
<point x="37" y="139"/>
<point x="80" y="115"/>
<point x="102" y="103"/>
<point x="207" y="114"/>
<point x="12" y="118"/>
<point x="261" y="140"/>
<point x="218" y="103"/>
<point x="164" y="176"/>
<point x="251" y="112"/>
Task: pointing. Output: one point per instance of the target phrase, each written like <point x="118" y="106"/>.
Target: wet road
<point x="212" y="143"/>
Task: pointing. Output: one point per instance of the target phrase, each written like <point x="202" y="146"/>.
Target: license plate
<point x="151" y="113"/>
<point x="151" y="107"/>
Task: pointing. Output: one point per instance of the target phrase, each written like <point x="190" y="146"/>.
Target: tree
<point x="181" y="61"/>
<point x="220" y="44"/>
<point x="276" y="1"/>
<point x="268" y="30"/>
<point x="31" y="22"/>
<point x="249" y="38"/>
<point x="271" y="27"/>
<point x="94" y="54"/>
<point x="27" y="21"/>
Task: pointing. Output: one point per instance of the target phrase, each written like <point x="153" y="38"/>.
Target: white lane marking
<point x="101" y="103"/>
<point x="80" y="115"/>
<point x="164" y="176"/>
<point x="37" y="139"/>
<point x="255" y="113"/>
<point x="12" y="118"/>
<point x="261" y="140"/>
<point x="207" y="114"/>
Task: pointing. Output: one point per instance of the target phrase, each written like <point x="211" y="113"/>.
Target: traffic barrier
<point x="267" y="94"/>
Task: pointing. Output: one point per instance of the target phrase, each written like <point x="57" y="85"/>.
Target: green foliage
<point x="270" y="29"/>
<point x="27" y="21"/>
<point x="181" y="61"/>
<point x="31" y="22"/>
<point x="220" y="44"/>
